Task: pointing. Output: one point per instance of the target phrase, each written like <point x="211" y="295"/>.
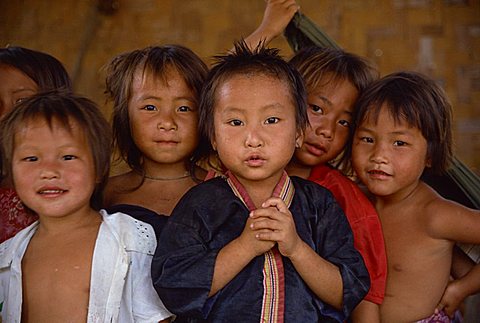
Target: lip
<point x="166" y="142"/>
<point x="378" y="174"/>
<point x="314" y="149"/>
<point x="255" y="161"/>
<point x="51" y="192"/>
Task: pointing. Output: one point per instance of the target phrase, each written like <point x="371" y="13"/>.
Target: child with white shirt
<point x="75" y="263"/>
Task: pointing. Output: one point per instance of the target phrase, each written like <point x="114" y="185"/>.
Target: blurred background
<point x="440" y="38"/>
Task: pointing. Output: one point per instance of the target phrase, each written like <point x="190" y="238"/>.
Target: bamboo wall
<point x="438" y="37"/>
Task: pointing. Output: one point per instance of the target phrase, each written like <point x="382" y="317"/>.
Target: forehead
<point x="69" y="127"/>
<point x="11" y="75"/>
<point x="253" y="87"/>
<point x="147" y="78"/>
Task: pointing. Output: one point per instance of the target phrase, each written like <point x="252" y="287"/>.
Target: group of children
<point x="250" y="236"/>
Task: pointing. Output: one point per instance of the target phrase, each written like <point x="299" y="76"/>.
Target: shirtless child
<point x="75" y="264"/>
<point x="403" y="129"/>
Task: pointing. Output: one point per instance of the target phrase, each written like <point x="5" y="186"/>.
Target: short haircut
<point x="417" y="100"/>
<point x="64" y="108"/>
<point x="321" y="65"/>
<point x="245" y="61"/>
<point x="158" y="60"/>
<point x="45" y="70"/>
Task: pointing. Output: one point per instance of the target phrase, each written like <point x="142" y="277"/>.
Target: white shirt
<point x="121" y="288"/>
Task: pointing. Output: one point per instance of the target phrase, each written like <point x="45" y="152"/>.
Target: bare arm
<point x="276" y="17"/>
<point x="366" y="312"/>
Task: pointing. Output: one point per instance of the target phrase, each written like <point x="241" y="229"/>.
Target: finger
<point x="267" y="235"/>
<point x="270" y="212"/>
<point x="265" y="223"/>
<point x="277" y="203"/>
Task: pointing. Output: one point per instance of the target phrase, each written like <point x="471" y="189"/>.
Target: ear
<point x="428" y="162"/>
<point x="213" y="142"/>
<point x="299" y="139"/>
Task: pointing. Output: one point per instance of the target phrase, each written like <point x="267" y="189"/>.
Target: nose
<point x="253" y="137"/>
<point x="166" y="121"/>
<point x="326" y="128"/>
<point x="379" y="154"/>
<point x="50" y="170"/>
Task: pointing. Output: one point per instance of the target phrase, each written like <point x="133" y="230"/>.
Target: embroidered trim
<point x="273" y="303"/>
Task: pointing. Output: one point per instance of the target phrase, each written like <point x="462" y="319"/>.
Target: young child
<point x="403" y="130"/>
<point x="75" y="264"/>
<point x="333" y="78"/>
<point x="23" y="72"/>
<point x="257" y="245"/>
<point x="155" y="92"/>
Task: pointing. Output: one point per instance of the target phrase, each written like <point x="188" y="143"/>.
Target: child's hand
<point x="250" y="243"/>
<point x="274" y="222"/>
<point x="277" y="15"/>
<point x="451" y="299"/>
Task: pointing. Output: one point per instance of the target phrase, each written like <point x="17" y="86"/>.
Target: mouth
<point x="314" y="149"/>
<point x="166" y="142"/>
<point x="255" y="161"/>
<point x="376" y="173"/>
<point x="51" y="192"/>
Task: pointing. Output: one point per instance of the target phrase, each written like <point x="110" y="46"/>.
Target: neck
<point x="259" y="191"/>
<point x="65" y="224"/>
<point x="300" y="170"/>
<point x="403" y="196"/>
<point x="166" y="172"/>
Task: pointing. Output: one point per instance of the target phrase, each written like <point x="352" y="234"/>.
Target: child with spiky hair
<point x="257" y="245"/>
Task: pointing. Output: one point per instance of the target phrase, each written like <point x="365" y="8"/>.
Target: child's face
<point x="330" y="109"/>
<point x="53" y="169"/>
<point x="389" y="158"/>
<point x="163" y="118"/>
<point x="14" y="86"/>
<point x="255" y="127"/>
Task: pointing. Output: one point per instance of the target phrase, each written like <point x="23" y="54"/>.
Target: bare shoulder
<point x="448" y="219"/>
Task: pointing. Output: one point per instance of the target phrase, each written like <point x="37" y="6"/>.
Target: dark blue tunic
<point x="209" y="216"/>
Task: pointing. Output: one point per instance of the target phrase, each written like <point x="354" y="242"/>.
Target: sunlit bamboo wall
<point x="438" y="37"/>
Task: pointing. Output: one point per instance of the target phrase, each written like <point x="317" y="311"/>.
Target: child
<point x="75" y="263"/>
<point x="333" y="78"/>
<point x="403" y="130"/>
<point x="257" y="245"/>
<point x="155" y="92"/>
<point x="23" y="72"/>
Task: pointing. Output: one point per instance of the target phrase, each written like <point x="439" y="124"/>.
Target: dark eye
<point x="316" y="108"/>
<point x="236" y="122"/>
<point x="399" y="143"/>
<point x="344" y="123"/>
<point x="19" y="100"/>
<point x="366" y="139"/>
<point x="69" y="157"/>
<point x="272" y="120"/>
<point x="150" y="107"/>
<point x="184" y="108"/>
<point x="30" y="159"/>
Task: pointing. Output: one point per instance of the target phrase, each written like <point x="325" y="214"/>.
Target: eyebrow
<point x="274" y="106"/>
<point x="405" y="132"/>
<point x="23" y="89"/>
<point x="326" y="100"/>
<point x="158" y="98"/>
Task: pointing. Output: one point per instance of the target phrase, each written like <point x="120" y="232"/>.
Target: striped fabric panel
<point x="273" y="303"/>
